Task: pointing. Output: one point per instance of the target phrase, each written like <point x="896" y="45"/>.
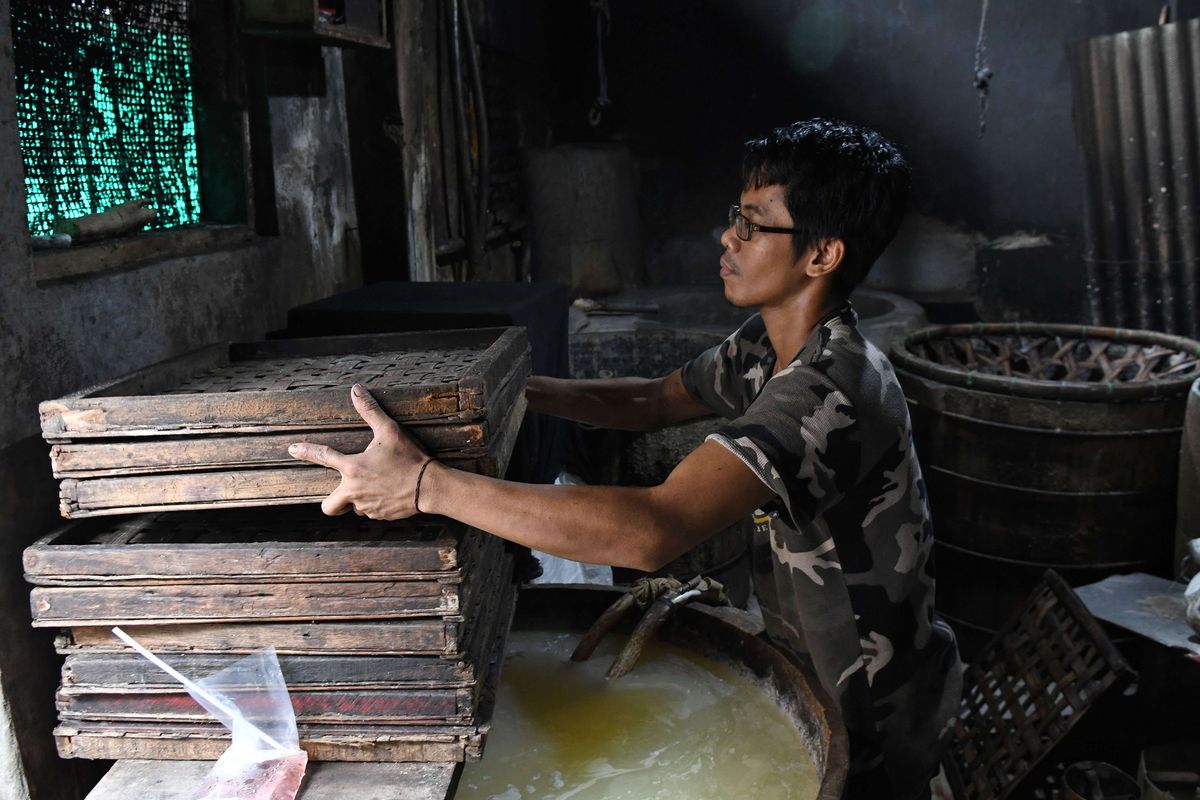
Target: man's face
<point x="763" y="271"/>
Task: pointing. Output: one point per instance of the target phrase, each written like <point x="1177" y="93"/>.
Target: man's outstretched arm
<point x="629" y="404"/>
<point x="638" y="527"/>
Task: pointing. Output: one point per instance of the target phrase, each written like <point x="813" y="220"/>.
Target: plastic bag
<point x="250" y="698"/>
<point x="563" y="570"/>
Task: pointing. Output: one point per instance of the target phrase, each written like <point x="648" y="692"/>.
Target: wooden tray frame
<point x="103" y="551"/>
<point x="246" y="488"/>
<point x="190" y="603"/>
<point x="321" y="742"/>
<point x="134" y="406"/>
<point x="149" y="455"/>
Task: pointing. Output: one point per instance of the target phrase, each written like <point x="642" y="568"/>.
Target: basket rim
<point x="1038" y="388"/>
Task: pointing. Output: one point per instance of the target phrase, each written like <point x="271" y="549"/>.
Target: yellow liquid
<point x="678" y="726"/>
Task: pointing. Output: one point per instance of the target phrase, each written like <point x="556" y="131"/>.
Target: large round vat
<point x="704" y="631"/>
<point x="1043" y="446"/>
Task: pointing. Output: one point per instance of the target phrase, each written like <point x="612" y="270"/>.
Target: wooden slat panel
<point x="200" y="414"/>
<point x="191" y="604"/>
<point x="130" y="672"/>
<point x="194" y="491"/>
<point x="118" y="741"/>
<point x="391" y="707"/>
<point x="97" y="458"/>
<point x="399" y="637"/>
<point x="295" y="544"/>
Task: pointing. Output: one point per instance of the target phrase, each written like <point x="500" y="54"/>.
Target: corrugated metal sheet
<point x="1137" y="112"/>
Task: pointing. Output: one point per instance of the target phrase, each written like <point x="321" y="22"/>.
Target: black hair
<point x="841" y="181"/>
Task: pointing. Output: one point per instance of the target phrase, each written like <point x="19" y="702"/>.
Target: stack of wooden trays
<point x="211" y="429"/>
<point x="388" y="634"/>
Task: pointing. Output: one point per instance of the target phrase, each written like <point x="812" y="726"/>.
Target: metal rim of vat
<point x="1169" y="385"/>
<point x="706" y="632"/>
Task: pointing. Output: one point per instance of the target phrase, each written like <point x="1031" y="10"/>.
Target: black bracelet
<point x="417" y="493"/>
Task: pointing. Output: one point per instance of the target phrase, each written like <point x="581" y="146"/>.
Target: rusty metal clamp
<point x="658" y="597"/>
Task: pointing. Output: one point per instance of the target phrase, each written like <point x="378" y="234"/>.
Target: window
<point x="105" y="108"/>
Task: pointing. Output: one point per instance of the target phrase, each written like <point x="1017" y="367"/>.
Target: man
<point x="818" y="442"/>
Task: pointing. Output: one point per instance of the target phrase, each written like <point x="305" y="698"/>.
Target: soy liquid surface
<point x="677" y="726"/>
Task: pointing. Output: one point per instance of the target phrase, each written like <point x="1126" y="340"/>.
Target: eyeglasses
<point x="744" y="228"/>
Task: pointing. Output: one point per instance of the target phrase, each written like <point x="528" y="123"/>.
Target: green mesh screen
<point x="104" y="108"/>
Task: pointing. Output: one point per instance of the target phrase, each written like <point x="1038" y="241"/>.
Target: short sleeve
<point x="722" y="378"/>
<point x="707" y="379"/>
<point x="801" y="438"/>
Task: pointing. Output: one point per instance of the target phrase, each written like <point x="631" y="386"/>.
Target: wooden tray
<point x="296" y="384"/>
<point x="384" y="690"/>
<point x="210" y="429"/>
<point x="239" y="600"/>
<point x="290" y="544"/>
<point x="181" y="741"/>
<point x="246" y="488"/>
<point x="439" y="652"/>
<point x="457" y="640"/>
<point x="131" y="673"/>
<point x="150" y="455"/>
<point x="410" y="706"/>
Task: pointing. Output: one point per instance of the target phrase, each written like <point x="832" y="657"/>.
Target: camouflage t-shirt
<point x="842" y="553"/>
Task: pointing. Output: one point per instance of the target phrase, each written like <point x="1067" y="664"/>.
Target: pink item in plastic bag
<point x="274" y="779"/>
<point x="250" y="698"/>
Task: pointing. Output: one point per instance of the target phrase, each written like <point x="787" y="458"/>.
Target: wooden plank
<point x="130" y="672"/>
<point x="240" y="602"/>
<point x="98" y="458"/>
<point x="106" y="411"/>
<point x="192" y="414"/>
<point x="398" y="637"/>
<point x="180" y="743"/>
<point x="196" y="491"/>
<point x="412" y="706"/>
<point x="171" y="780"/>
<point x="301" y="544"/>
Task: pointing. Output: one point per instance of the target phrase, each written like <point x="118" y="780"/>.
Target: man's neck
<point x="790" y="324"/>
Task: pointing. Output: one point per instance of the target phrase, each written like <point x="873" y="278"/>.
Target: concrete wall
<point x="686" y="101"/>
<point x="58" y="338"/>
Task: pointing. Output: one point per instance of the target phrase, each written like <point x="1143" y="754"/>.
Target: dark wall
<point x="691" y="79"/>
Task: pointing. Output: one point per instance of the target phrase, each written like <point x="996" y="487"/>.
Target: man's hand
<point x="379" y="482"/>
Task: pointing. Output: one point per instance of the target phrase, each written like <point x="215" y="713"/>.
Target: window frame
<point x="236" y="174"/>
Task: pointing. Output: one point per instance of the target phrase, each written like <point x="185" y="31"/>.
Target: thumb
<point x="372" y="413"/>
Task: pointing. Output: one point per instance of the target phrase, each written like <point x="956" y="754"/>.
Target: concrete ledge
<point x="51" y="266"/>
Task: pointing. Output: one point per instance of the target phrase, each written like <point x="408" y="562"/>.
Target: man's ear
<point x="827" y="256"/>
